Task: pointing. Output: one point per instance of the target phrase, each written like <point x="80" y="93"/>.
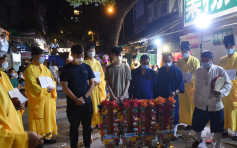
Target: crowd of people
<point x="88" y="81"/>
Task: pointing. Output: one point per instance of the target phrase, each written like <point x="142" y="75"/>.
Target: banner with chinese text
<point x="218" y="36"/>
<point x="215" y="8"/>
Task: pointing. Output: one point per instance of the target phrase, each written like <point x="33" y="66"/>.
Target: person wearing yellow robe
<point x="135" y="63"/>
<point x="188" y="64"/>
<point x="229" y="62"/>
<point x="41" y="101"/>
<point x="98" y="94"/>
<point x="4" y="79"/>
<point x="12" y="134"/>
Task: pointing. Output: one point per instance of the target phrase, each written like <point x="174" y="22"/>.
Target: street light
<point x="157" y="41"/>
<point x="110" y="9"/>
<point x="202" y="22"/>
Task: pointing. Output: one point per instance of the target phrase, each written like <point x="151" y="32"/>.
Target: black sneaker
<point x="234" y="138"/>
<point x="225" y="134"/>
<point x="49" y="141"/>
<point x="196" y="143"/>
<point x="188" y="128"/>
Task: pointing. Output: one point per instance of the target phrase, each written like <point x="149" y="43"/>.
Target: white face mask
<point x="118" y="59"/>
<point x="16" y="76"/>
<point x="91" y="54"/>
<point x="169" y="64"/>
<point x="79" y="61"/>
<point x="4" y="65"/>
<point x="21" y="76"/>
<point x="185" y="55"/>
<point x="13" y="74"/>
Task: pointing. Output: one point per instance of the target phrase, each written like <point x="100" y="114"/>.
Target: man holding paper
<point x="229" y="63"/>
<point x="188" y="65"/>
<point x="98" y="94"/>
<point x="41" y="100"/>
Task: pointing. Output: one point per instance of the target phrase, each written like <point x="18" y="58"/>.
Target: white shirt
<point x="203" y="96"/>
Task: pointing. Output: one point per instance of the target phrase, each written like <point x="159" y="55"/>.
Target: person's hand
<point x="114" y="98"/>
<point x="21" y="87"/>
<point x="121" y="98"/>
<point x="34" y="139"/>
<point x="216" y="93"/>
<point x="80" y="101"/>
<point x="50" y="89"/>
<point x="16" y="102"/>
<point x="173" y="94"/>
<point x="97" y="83"/>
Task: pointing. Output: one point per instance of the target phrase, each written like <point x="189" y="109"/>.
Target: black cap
<point x="207" y="54"/>
<point x="36" y="51"/>
<point x="185" y="45"/>
<point x="229" y="40"/>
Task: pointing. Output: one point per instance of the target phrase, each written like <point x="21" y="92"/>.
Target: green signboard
<point x="218" y="36"/>
<point x="215" y="8"/>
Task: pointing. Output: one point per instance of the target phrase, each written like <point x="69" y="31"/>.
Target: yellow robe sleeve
<point x="231" y="63"/>
<point x="12" y="134"/>
<point x="102" y="83"/>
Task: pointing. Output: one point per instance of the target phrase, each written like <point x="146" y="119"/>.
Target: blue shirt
<point x="170" y="81"/>
<point x="77" y="77"/>
<point x="142" y="86"/>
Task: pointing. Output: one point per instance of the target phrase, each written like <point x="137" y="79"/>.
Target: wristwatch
<point x="84" y="97"/>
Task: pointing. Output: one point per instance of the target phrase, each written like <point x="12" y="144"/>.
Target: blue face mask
<point x="41" y="60"/>
<point x="145" y="66"/>
<point x="206" y="64"/>
<point x="185" y="55"/>
<point x="91" y="54"/>
<point x="230" y="51"/>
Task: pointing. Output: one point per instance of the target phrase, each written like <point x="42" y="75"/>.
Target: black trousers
<point x="201" y="118"/>
<point x="80" y="115"/>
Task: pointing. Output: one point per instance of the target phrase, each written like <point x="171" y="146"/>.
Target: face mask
<point x="21" y="76"/>
<point x="169" y="64"/>
<point x="41" y="60"/>
<point x="155" y="69"/>
<point x="79" y="61"/>
<point x="91" y="54"/>
<point x="185" y="55"/>
<point x="145" y="66"/>
<point x="118" y="59"/>
<point x="206" y="64"/>
<point x="16" y="76"/>
<point x="13" y="74"/>
<point x="4" y="65"/>
<point x="230" y="51"/>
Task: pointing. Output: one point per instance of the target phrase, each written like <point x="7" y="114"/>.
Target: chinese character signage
<point x="218" y="36"/>
<point x="215" y="8"/>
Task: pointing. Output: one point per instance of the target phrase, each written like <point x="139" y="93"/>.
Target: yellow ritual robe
<point x="230" y="102"/>
<point x="4" y="79"/>
<point x="41" y="103"/>
<point x="98" y="94"/>
<point x="186" y="106"/>
<point x="12" y="134"/>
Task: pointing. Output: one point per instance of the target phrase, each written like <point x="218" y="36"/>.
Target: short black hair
<point x="134" y="57"/>
<point x="144" y="57"/>
<point x="166" y="54"/>
<point x="11" y="70"/>
<point x="89" y="46"/>
<point x="116" y="50"/>
<point x="20" y="72"/>
<point x="207" y="54"/>
<point x="77" y="49"/>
